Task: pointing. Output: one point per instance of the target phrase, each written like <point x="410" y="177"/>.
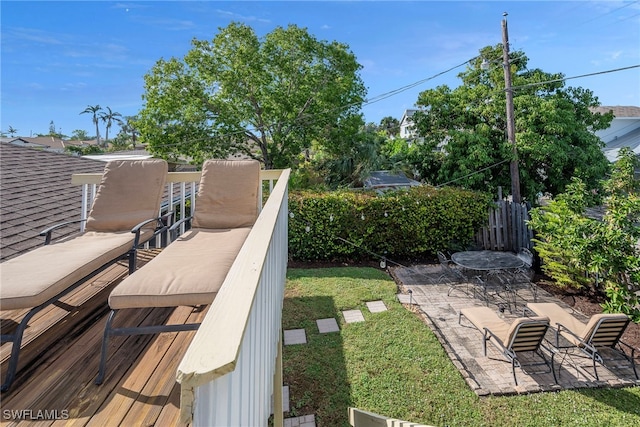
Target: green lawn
<point x="392" y="364"/>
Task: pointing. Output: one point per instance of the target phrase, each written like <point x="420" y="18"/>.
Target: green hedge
<point x="399" y="225"/>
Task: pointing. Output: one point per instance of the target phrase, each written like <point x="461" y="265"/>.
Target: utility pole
<point x="511" y="126"/>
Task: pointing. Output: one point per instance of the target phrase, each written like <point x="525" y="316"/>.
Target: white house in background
<point x="623" y="132"/>
<point x="406" y="125"/>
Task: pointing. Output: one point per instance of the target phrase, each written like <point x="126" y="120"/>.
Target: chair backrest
<point x="526" y="256"/>
<point x="604" y="329"/>
<point x="444" y="261"/>
<point x="526" y="333"/>
<point x="130" y="192"/>
<point x="227" y="194"/>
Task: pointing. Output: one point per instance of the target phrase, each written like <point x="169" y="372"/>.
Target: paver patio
<point x="491" y="374"/>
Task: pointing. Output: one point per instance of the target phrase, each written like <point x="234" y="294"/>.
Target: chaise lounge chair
<point x="191" y="270"/>
<point x="525" y="334"/>
<point x="602" y="331"/>
<point x="124" y="215"/>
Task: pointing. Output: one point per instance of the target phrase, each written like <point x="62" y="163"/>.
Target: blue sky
<point x="59" y="57"/>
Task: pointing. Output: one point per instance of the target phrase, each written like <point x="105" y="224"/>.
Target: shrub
<point x="600" y="254"/>
<point x="360" y="225"/>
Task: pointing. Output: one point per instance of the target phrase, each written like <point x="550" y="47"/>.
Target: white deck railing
<point x="231" y="374"/>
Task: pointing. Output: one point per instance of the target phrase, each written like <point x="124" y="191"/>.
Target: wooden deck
<point x="60" y="357"/>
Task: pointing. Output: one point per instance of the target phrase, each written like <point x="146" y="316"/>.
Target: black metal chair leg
<point x="133" y="258"/>
<point x="553" y="368"/>
<point x="16" y="338"/>
<point x="105" y="344"/>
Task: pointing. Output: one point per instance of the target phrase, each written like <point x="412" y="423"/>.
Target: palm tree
<point x="12" y="131"/>
<point x="128" y="126"/>
<point x="108" y="118"/>
<point x="94" y="110"/>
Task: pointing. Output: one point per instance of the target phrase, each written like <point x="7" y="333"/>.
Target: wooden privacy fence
<point x="507" y="229"/>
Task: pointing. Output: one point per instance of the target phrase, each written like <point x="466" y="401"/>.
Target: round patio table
<point x="489" y="263"/>
<point x="487" y="260"/>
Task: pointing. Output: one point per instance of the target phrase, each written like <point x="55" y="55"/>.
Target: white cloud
<point x="128" y="6"/>
<point x="32" y="35"/>
<point x="615" y="55"/>
<point x="73" y="86"/>
<point x="237" y="17"/>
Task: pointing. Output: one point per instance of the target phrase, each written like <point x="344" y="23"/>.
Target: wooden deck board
<point x="170" y="414"/>
<point x="156" y="392"/>
<point x="139" y="387"/>
<point x="80" y="395"/>
<point x="130" y="388"/>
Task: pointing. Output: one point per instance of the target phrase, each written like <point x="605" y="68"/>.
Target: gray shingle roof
<point x="36" y="192"/>
<point x="618" y="110"/>
<point x="388" y="179"/>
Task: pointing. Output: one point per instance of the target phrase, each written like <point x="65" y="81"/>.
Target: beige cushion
<point x="484" y="317"/>
<point x="36" y="276"/>
<point x="130" y="192"/>
<point x="557" y="314"/>
<point x="189" y="271"/>
<point x="227" y="194"/>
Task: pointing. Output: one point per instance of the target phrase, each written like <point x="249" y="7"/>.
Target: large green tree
<point x="269" y="98"/>
<point x="553" y="128"/>
<point x="390" y="125"/>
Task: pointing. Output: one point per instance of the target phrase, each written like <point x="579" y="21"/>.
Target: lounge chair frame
<point x="517" y="345"/>
<point x="110" y="331"/>
<point x="239" y="213"/>
<point x="16" y="337"/>
<point x="605" y="334"/>
<point x="592" y="352"/>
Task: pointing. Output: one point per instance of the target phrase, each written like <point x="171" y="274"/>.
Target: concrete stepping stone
<point x="295" y="336"/>
<point x="353" y="316"/>
<point x="376" y="306"/>
<point x="327" y="325"/>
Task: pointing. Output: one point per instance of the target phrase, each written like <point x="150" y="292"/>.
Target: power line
<point x="473" y="173"/>
<point x="575" y="77"/>
<point x="608" y="13"/>
<point x="412" y="85"/>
